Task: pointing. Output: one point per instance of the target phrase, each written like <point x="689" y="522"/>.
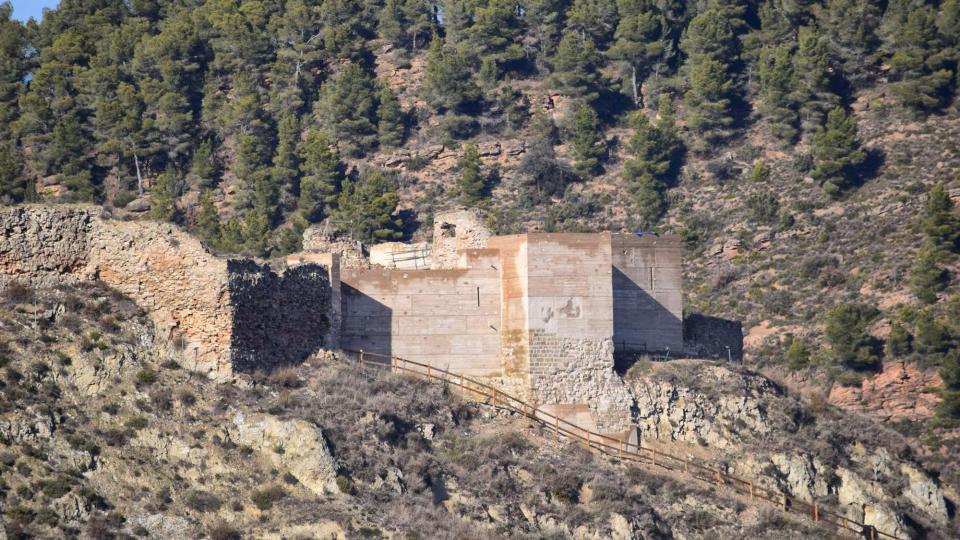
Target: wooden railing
<point x="620" y="448"/>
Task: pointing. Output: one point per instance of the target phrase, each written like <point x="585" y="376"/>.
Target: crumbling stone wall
<point x="277" y="318"/>
<point x="454" y="231"/>
<point x="184" y="288"/>
<point x="712" y="337"/>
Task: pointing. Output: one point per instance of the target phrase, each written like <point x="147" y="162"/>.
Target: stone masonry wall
<point x="166" y="271"/>
<point x="277" y="318"/>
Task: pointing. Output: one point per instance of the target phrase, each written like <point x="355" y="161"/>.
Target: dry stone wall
<point x="185" y="289"/>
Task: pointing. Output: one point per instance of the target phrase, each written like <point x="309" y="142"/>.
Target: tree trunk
<point x="136" y="163"/>
<point x="636" y="91"/>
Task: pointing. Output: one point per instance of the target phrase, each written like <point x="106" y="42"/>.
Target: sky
<point x="24" y="9"/>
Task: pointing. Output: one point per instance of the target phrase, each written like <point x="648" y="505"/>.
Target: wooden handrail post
<point x="816" y="512"/>
<point x="588" y="439"/>
<point x="429" y="372"/>
<point x="653" y="456"/>
<point x="751" y="491"/>
<point x="686" y="466"/>
<point x="783" y="501"/>
<point x="461" y="380"/>
<point x="361" y="357"/>
<point x="719" y="481"/>
<point x="557" y="426"/>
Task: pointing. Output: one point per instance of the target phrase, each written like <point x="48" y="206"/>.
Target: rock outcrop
<point x="749" y="425"/>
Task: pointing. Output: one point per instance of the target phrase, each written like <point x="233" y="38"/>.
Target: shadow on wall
<point x="278" y="319"/>
<point x="367" y="324"/>
<point x="641" y="323"/>
<point x="713" y="337"/>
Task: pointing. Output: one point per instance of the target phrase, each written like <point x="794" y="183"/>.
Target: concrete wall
<point x="647" y="293"/>
<point x="558" y="323"/>
<point x="447" y="318"/>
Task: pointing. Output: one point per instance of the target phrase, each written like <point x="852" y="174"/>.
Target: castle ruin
<point x="539" y="314"/>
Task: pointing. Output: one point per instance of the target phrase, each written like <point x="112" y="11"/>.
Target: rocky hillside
<point x="104" y="437"/>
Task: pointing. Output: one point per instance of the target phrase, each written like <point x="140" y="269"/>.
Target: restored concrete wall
<point x="647" y="293"/>
<point x="447" y="318"/>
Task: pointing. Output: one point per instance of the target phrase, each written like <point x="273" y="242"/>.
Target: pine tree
<point x="587" y="145"/>
<point x="709" y="101"/>
<point x="846" y="331"/>
<point x="927" y="275"/>
<point x="639" y="42"/>
<point x="207" y="226"/>
<point x="575" y="68"/>
<point x="940" y="223"/>
<point x="543" y="19"/>
<point x="777" y="83"/>
<point x="202" y="165"/>
<point x="164" y="196"/>
<point x="593" y="19"/>
<point x="12" y="183"/>
<point x="898" y="343"/>
<point x="925" y="74"/>
<point x="322" y="175"/>
<point x="812" y="83"/>
<point x="286" y="166"/>
<point x="850" y="30"/>
<point x="654" y="150"/>
<point x="366" y="208"/>
<point x="471" y="180"/>
<point x="493" y="35"/>
<point x="390" y="119"/>
<point x="837" y="153"/>
<point x="449" y="84"/>
<point x="347" y="110"/>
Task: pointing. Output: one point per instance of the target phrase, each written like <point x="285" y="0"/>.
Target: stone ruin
<point x="221" y="315"/>
<point x="539" y="314"/>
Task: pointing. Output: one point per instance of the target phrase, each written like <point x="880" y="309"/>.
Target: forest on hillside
<point x="247" y="120"/>
<point x="105" y="100"/>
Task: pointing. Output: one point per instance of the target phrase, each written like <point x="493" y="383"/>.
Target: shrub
<point x="203" y="501"/>
<point x="797" y="355"/>
<point x="264" y="498"/>
<point x="344" y="484"/>
<point x="146" y="377"/>
<point x="57" y="487"/>
<point x="222" y="530"/>
<point x="763" y="206"/>
<point x="898" y="342"/>
<point x="138" y="422"/>
<point x="18" y="293"/>
<point x="286" y="377"/>
<point x="931" y="336"/>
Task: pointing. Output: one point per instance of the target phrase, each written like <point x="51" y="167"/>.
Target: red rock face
<point x="899" y="392"/>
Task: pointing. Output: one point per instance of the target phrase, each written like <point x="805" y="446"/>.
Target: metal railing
<point x="621" y="448"/>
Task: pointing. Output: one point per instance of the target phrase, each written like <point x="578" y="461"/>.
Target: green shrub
<point x="203" y="501"/>
<point x="264" y="498"/>
<point x="930" y="335"/>
<point x="138" y="422"/>
<point x="345" y="485"/>
<point x="797" y="355"/>
<point x="57" y="487"/>
<point x="899" y="342"/>
<point x="146" y="377"/>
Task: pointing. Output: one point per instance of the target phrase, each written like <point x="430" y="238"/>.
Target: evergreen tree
<point x="543" y="19"/>
<point x="812" y="83"/>
<point x="347" y="110"/>
<point x="575" y="68"/>
<point x="639" y="42"/>
<point x="850" y="30"/>
<point x="13" y="186"/>
<point x="540" y="167"/>
<point x="654" y="150"/>
<point x="846" y="332"/>
<point x="366" y="208"/>
<point x="164" y="196"/>
<point x="925" y="74"/>
<point x="927" y="275"/>
<point x="286" y="164"/>
<point x="777" y="83"/>
<point x="390" y="119"/>
<point x="898" y="344"/>
<point x="13" y="65"/>
<point x="837" y="153"/>
<point x="940" y="223"/>
<point x="448" y="84"/>
<point x="593" y="19"/>
<point x="931" y="336"/>
<point x="493" y="35"/>
<point x="587" y="145"/>
<point x="471" y="179"/>
<point x="202" y="166"/>
<point x="322" y="175"/>
<point x="709" y="101"/>
<point x="207" y="226"/>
